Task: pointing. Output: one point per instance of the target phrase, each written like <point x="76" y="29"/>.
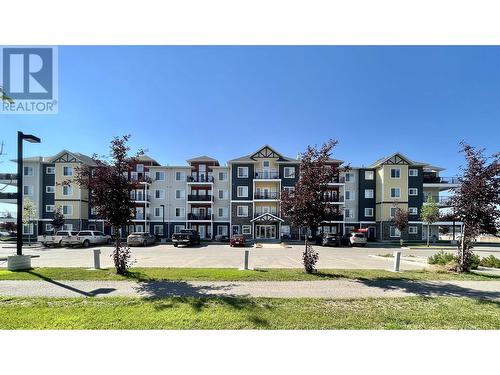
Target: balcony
<point x="337" y="180"/>
<point x="200" y="179"/>
<point x="266" y="175"/>
<point x="195" y="217"/>
<point x="432" y="179"/>
<point x="269" y="196"/>
<point x="259" y="213"/>
<point x="200" y="198"/>
<point x="141" y="217"/>
<point x="442" y="201"/>
<point x="140" y="198"/>
<point x="334" y="217"/>
<point x="333" y="198"/>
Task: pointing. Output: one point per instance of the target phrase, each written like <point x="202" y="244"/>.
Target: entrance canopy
<point x="267" y="218"/>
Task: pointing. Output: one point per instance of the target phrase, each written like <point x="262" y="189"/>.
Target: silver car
<point x="140" y="239"/>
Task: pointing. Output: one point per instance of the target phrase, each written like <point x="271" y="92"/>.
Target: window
<point x="393" y="211"/>
<point x="222" y="230"/>
<point x="289" y="172"/>
<point x="67" y="190"/>
<point x="160" y="194"/>
<point x="50" y="170"/>
<point x="349" y="195"/>
<point x="222" y="212"/>
<point x="369" y="175"/>
<point x="395" y="172"/>
<point x="395" y="232"/>
<point x="28" y="171"/>
<point x="349" y="177"/>
<point x="178" y="228"/>
<point x="413" y="172"/>
<point x="140" y="168"/>
<point x="348" y="213"/>
<point x="242" y="172"/>
<point x="50" y="189"/>
<point x="67" y="170"/>
<point x="413" y="210"/>
<point x="160" y="176"/>
<point x="242" y="191"/>
<point x="158" y="230"/>
<point x="158" y="211"/>
<point x="285" y="230"/>
<point x="223" y="194"/>
<point x="49" y="227"/>
<point x="180" y="176"/>
<point x="180" y="212"/>
<point x="266" y="163"/>
<point x="67" y="227"/>
<point x="180" y="194"/>
<point x="27" y="190"/>
<point x="412" y="229"/>
<point x="222" y="176"/>
<point x="289" y="189"/>
<point x="368" y="193"/>
<point x="369" y="211"/>
<point x="28" y="229"/>
<point x="49" y="208"/>
<point x="93" y="211"/>
<point x="236" y="229"/>
<point x="395" y="192"/>
<point x="412" y="191"/>
<point x="246" y="229"/>
<point x="67" y="209"/>
<point x="242" y="211"/>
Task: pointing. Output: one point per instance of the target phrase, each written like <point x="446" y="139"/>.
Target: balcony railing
<point x="270" y="195"/>
<point x="440" y="180"/>
<point x="337" y="180"/>
<point x="141" y="217"/>
<point x="200" y="217"/>
<point x="334" y="217"/>
<point x="141" y="198"/>
<point x="258" y="213"/>
<point x="333" y="198"/>
<point x="204" y="179"/>
<point x="440" y="200"/>
<point x="266" y="175"/>
<point x="200" y="198"/>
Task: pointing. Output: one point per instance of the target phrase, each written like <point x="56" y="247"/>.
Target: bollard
<point x="97" y="259"/>
<point x="245" y="263"/>
<point x="397" y="261"/>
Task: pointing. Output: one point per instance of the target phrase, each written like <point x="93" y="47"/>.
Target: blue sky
<point x="181" y="102"/>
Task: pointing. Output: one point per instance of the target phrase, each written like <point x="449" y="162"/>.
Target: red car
<point x="237" y="240"/>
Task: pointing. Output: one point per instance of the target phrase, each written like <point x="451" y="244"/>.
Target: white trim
<point x="243" y="168"/>
<point x="52" y="168"/>
<point x="415" y="189"/>
<point x="412" y="227"/>
<point x="412" y="175"/>
<point x="372" y="195"/>
<point x="50" y="192"/>
<point x="399" y="195"/>
<point x="390" y="173"/>
<point x="372" y="174"/>
<point x="50" y="205"/>
<point x="372" y="211"/>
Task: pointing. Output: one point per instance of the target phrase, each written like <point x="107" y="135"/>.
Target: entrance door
<point x="371" y="233"/>
<point x="267" y="232"/>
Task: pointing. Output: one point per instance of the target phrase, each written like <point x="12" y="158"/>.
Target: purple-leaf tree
<point x="58" y="219"/>
<point x="400" y="221"/>
<point x="109" y="190"/>
<point x="305" y="206"/>
<point x="476" y="200"/>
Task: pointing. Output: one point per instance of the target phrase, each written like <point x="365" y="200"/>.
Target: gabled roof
<point x="395" y="156"/>
<point x="73" y="156"/>
<point x="267" y="217"/>
<point x="264" y="152"/>
<point x="203" y="158"/>
<point x="147" y="158"/>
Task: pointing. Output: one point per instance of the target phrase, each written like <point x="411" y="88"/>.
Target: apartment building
<point x="242" y="197"/>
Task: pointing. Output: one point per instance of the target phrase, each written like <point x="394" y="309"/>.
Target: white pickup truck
<point x="56" y="239"/>
<point x="86" y="238"/>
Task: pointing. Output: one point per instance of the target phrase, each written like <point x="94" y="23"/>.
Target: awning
<point x="267" y="218"/>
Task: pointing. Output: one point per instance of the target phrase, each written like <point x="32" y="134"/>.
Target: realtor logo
<point x="28" y="75"/>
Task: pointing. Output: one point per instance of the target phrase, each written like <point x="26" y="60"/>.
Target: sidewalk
<point x="275" y="289"/>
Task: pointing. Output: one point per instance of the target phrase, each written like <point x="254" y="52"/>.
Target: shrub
<point x="442" y="258"/>
<point x="490" y="261"/>
<point x="474" y="262"/>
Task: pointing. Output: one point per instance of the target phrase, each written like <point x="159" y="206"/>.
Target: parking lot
<point x="223" y="256"/>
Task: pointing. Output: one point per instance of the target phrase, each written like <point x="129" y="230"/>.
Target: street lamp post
<point x="20" y="172"/>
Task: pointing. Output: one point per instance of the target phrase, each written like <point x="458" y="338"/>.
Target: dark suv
<point x="331" y="239"/>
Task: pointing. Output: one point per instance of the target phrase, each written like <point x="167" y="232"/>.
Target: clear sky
<point x="225" y="102"/>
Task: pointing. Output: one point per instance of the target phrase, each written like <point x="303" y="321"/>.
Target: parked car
<point x="356" y="239"/>
<point x="186" y="237"/>
<point x="4" y="234"/>
<point x="221" y="238"/>
<point x="140" y="239"/>
<point x="56" y="239"/>
<point x="86" y="238"/>
<point x="237" y="240"/>
<point x="331" y="239"/>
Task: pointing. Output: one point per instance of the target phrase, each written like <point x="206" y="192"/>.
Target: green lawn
<point x="230" y="274"/>
<point x="248" y="313"/>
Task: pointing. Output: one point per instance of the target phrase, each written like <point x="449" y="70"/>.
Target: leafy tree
<point x="29" y="213"/>
<point x="400" y="221"/>
<point x="58" y="219"/>
<point x="305" y="205"/>
<point x="429" y="214"/>
<point x="476" y="200"/>
<point x="109" y="188"/>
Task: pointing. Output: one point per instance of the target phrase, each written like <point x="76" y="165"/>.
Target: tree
<point x="4" y="97"/>
<point x="10" y="226"/>
<point x="400" y="221"/>
<point x="29" y="213"/>
<point x="58" y="219"/>
<point x="109" y="189"/>
<point x="305" y="205"/>
<point x="476" y="200"/>
<point x="429" y="214"/>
